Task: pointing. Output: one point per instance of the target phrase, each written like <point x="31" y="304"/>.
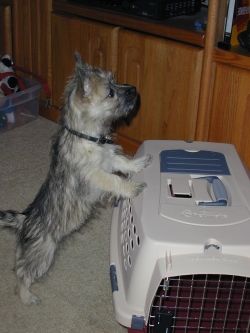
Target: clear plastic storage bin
<point x="20" y="108"/>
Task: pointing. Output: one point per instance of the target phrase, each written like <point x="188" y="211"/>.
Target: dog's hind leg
<point x="24" y="293"/>
<point x="31" y="264"/>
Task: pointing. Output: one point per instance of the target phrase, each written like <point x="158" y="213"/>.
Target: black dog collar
<point x="88" y="137"/>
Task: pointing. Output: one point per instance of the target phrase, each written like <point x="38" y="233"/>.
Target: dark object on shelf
<point x="224" y="45"/>
<point x="154" y="10"/>
<point x="244" y="38"/>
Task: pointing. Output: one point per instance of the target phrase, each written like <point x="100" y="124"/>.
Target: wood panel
<point x="129" y="146"/>
<point x="230" y="120"/>
<point x="167" y="76"/>
<point x="32" y="37"/>
<point x="207" y="70"/>
<point x="96" y="42"/>
<point x="180" y="28"/>
<point x="5" y="30"/>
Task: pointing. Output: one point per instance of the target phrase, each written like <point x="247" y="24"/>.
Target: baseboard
<point x="51" y="113"/>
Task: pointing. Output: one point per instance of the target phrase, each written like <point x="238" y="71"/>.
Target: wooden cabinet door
<point x="31" y="37"/>
<point x="5" y="30"/>
<point x="167" y="76"/>
<point x="230" y="114"/>
<point x="96" y="42"/>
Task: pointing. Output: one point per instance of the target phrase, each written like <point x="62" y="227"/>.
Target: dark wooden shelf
<point x="235" y="57"/>
<point x="179" y="28"/>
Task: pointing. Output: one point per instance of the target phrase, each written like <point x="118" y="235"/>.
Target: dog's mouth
<point x="128" y="99"/>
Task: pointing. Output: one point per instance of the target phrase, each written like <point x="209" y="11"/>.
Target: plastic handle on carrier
<point x="220" y="192"/>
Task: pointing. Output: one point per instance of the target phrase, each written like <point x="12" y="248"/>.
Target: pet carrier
<point x="180" y="251"/>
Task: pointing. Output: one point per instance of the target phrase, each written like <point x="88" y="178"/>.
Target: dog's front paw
<point x="143" y="162"/>
<point x="147" y="159"/>
<point x="137" y="188"/>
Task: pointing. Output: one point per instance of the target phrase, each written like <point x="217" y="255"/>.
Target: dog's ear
<point x="81" y="65"/>
<point x="83" y="83"/>
<point x="78" y="57"/>
<point x="82" y="71"/>
<point x="85" y="87"/>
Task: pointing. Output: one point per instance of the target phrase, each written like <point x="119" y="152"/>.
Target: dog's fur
<point x="81" y="173"/>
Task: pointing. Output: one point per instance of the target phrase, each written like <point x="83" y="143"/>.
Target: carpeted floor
<point x="76" y="294"/>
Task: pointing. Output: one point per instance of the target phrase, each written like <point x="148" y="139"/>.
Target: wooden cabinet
<point x="167" y="76"/>
<point x="166" y="73"/>
<point x="5" y="29"/>
<point x="25" y="35"/>
<point x="230" y="121"/>
<point x="189" y="88"/>
<point x="96" y="42"/>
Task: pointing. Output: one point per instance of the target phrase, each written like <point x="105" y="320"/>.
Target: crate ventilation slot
<point x="130" y="240"/>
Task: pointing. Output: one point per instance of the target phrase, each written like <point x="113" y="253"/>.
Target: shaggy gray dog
<point x="86" y="166"/>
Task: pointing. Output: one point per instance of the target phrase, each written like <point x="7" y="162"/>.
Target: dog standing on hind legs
<point x="84" y="168"/>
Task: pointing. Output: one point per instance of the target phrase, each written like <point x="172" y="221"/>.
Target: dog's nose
<point x="131" y="90"/>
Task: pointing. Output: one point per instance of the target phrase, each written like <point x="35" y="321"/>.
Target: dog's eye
<point x="111" y="93"/>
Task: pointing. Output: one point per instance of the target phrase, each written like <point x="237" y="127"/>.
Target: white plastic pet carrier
<point x="180" y="251"/>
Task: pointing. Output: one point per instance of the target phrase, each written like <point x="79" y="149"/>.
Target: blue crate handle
<point x="220" y="192"/>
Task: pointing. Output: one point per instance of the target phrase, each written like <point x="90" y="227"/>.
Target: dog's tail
<point x="11" y="219"/>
